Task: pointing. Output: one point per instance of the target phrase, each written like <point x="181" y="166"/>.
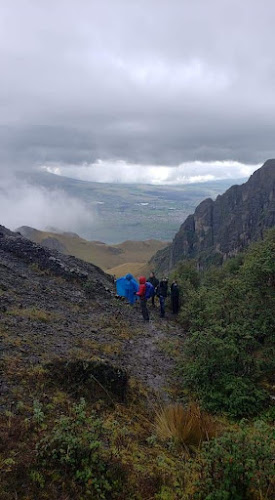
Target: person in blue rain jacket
<point x="127" y="287"/>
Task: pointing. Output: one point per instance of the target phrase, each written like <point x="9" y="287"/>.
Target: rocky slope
<point x="222" y="228"/>
<point x="58" y="313"/>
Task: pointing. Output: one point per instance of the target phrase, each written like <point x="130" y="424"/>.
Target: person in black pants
<point x="162" y="292"/>
<point x="175" y="297"/>
<point x="154" y="281"/>
<point x="142" y="295"/>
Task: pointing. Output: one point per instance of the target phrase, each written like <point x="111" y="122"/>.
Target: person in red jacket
<point x="142" y="295"/>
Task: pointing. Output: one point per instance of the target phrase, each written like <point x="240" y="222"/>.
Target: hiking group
<point x="129" y="288"/>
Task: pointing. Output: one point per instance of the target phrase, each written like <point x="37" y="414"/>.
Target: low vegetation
<point x="239" y="465"/>
<point x="57" y="447"/>
<point x="33" y="314"/>
<point x="228" y="313"/>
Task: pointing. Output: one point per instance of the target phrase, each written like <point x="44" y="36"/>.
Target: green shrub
<point x="73" y="448"/>
<point x="238" y="465"/>
<point x="223" y="375"/>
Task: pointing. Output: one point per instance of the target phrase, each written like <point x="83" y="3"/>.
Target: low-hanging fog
<point x="22" y="204"/>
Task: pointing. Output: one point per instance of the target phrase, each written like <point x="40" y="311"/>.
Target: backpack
<point x="150" y="291"/>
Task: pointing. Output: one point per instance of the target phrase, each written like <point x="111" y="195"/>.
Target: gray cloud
<point x="150" y="82"/>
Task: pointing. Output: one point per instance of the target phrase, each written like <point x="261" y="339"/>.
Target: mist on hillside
<point x="24" y="204"/>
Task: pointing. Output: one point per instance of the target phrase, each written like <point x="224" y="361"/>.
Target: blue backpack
<point x="150" y="291"/>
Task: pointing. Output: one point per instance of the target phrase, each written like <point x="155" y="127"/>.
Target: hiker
<point x="127" y="287"/>
<point x="175" y="297"/>
<point x="142" y="296"/>
<point x="131" y="288"/>
<point x="162" y="292"/>
<point x="154" y="281"/>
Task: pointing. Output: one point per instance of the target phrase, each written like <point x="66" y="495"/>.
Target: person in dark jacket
<point x="162" y="292"/>
<point x="154" y="281"/>
<point x="142" y="296"/>
<point x="175" y="297"/>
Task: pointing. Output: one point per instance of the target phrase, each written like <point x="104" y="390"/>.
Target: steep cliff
<point x="222" y="228"/>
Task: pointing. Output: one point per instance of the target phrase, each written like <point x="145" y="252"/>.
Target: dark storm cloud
<point x="150" y="82"/>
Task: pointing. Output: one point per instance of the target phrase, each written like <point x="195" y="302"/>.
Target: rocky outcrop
<point x="15" y="246"/>
<point x="222" y="228"/>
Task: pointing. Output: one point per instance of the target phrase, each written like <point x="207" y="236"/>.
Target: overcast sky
<point x="108" y="85"/>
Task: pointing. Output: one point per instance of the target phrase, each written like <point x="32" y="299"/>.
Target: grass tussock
<point x="33" y="314"/>
<point x="91" y="347"/>
<point x="188" y="426"/>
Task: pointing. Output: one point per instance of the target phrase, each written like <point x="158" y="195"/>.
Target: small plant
<point x="6" y="464"/>
<point x="38" y="414"/>
<point x="37" y="478"/>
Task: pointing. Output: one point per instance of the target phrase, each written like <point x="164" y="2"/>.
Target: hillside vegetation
<point x="96" y="405"/>
<point x="228" y="360"/>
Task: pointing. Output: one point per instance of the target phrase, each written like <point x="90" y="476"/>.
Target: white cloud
<point x="23" y="204"/>
<point x="127" y="173"/>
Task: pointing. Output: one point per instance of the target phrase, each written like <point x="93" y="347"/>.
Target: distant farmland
<point x="122" y="212"/>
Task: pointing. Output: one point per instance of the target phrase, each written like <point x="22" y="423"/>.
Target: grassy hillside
<point x="129" y="256"/>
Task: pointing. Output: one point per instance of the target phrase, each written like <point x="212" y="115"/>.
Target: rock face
<point x="222" y="228"/>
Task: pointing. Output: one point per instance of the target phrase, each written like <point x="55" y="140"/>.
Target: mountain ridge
<point x="223" y="227"/>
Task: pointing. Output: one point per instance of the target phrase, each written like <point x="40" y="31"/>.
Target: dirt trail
<point x="150" y="355"/>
